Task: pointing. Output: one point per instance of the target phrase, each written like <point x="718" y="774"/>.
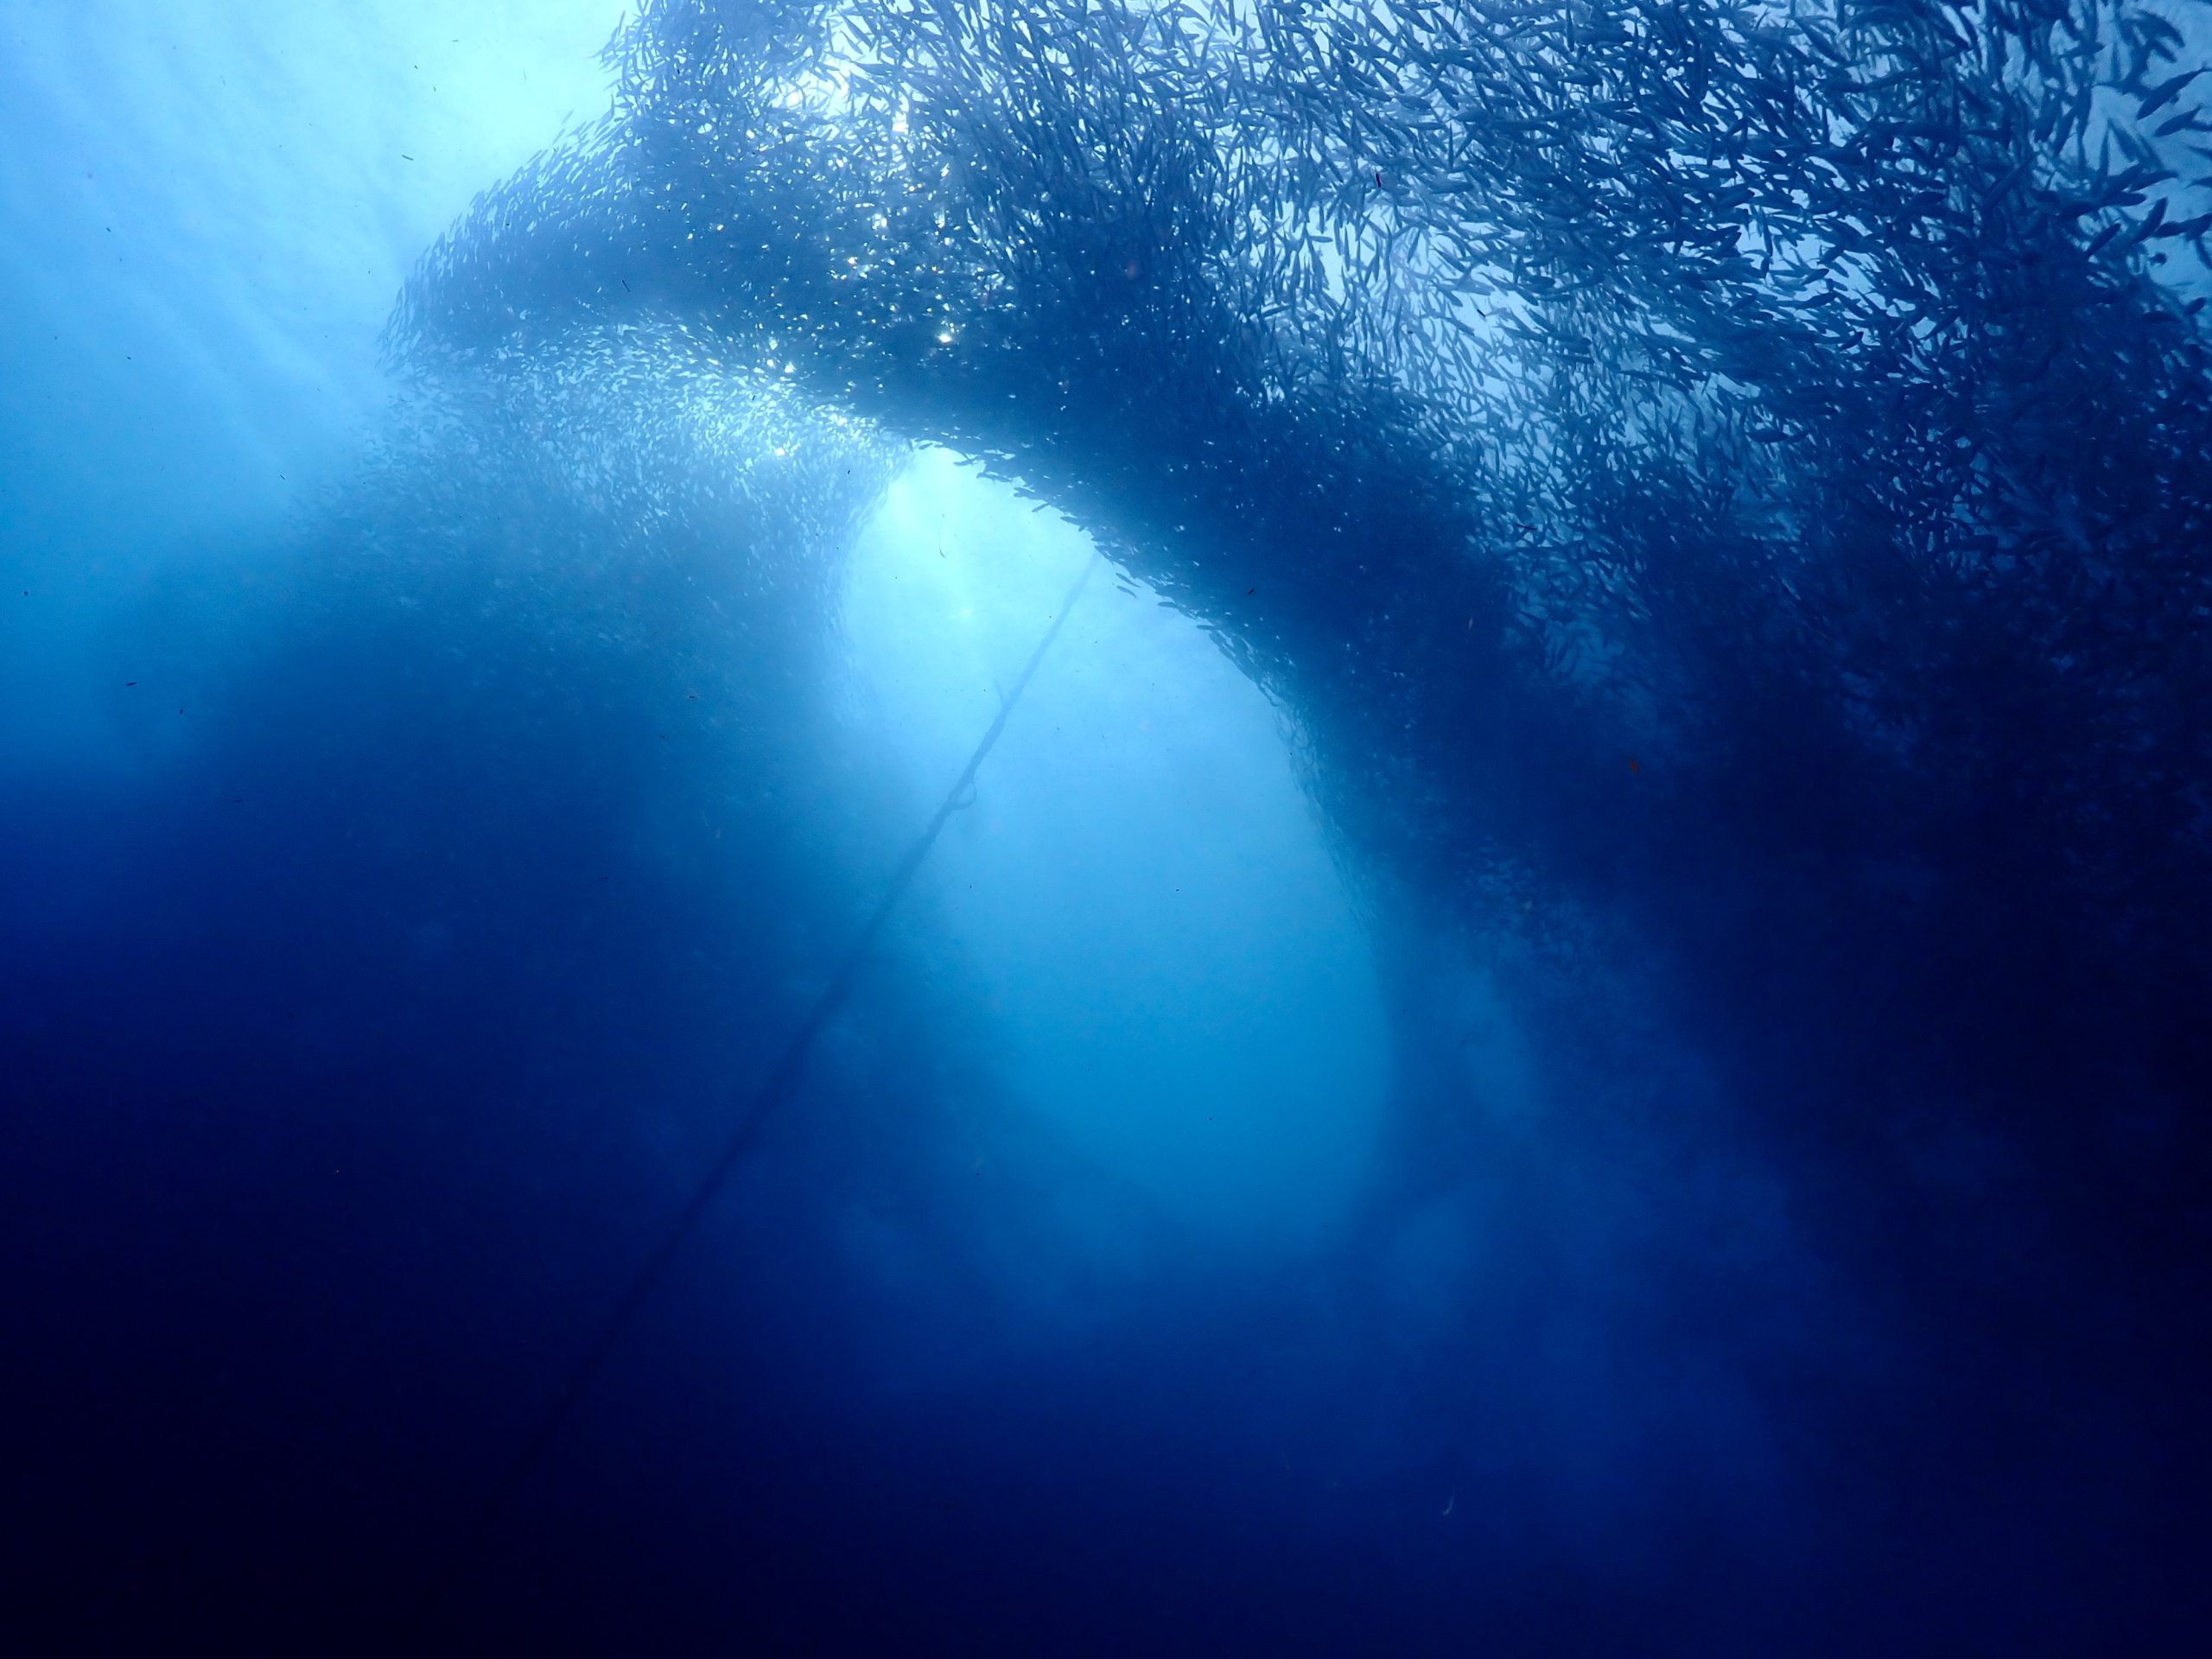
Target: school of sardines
<point x="1537" y="396"/>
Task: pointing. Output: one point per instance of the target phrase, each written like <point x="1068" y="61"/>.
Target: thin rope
<point x="781" y="1083"/>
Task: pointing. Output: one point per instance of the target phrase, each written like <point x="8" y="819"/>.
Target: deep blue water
<point x="1570" y="1016"/>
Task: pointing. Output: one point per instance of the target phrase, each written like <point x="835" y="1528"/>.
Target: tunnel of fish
<point x="1569" y="1018"/>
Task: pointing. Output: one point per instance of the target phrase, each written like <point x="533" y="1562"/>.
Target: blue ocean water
<point x="1081" y="827"/>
